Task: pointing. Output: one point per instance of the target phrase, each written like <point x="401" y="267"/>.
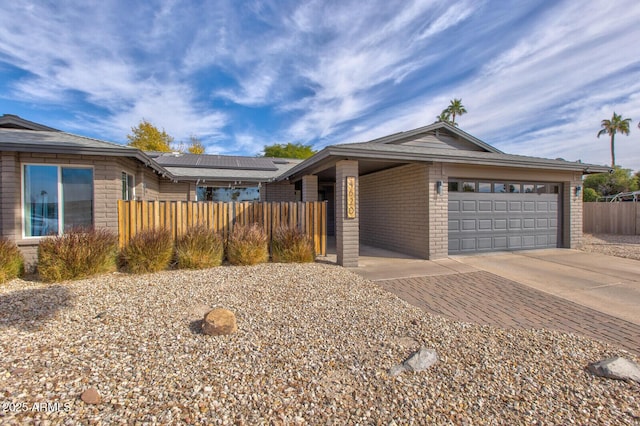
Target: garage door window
<point x="503" y="187"/>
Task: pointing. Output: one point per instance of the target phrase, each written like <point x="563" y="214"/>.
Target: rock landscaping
<point x="315" y="345"/>
<point x="612" y="245"/>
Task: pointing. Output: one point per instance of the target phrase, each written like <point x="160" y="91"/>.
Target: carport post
<point x="347" y="213"/>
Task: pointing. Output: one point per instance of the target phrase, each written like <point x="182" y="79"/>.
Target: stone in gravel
<point x="419" y="361"/>
<point x="218" y="322"/>
<point x="91" y="396"/>
<point x="616" y="368"/>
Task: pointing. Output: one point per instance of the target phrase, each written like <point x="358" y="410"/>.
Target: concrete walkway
<point x="584" y="293"/>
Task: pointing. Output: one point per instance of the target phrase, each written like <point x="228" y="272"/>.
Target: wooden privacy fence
<point x="621" y="218"/>
<point x="177" y="216"/>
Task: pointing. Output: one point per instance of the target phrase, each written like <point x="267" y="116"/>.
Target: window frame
<point x="130" y="194"/>
<point x="60" y="210"/>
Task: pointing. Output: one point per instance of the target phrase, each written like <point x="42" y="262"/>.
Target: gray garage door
<point x="480" y="222"/>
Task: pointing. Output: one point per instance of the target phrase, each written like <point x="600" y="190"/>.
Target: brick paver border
<point x="485" y="298"/>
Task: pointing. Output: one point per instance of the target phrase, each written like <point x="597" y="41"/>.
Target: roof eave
<point x="85" y="150"/>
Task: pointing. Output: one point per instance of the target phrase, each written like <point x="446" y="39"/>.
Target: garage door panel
<point x="485" y="206"/>
<point x="502" y="221"/>
<point x="469" y="225"/>
<point x="485" y="243"/>
<point x="500" y="224"/>
<point x="499" y="206"/>
<point x="469" y="206"/>
<point x="500" y="243"/>
<point x="484" y="224"/>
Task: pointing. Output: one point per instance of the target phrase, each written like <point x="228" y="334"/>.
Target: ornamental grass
<point x="11" y="261"/>
<point x="79" y="253"/>
<point x="199" y="248"/>
<point x="148" y="251"/>
<point x="247" y="245"/>
<point x="290" y="244"/>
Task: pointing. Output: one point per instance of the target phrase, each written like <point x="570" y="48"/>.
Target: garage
<point x="486" y="216"/>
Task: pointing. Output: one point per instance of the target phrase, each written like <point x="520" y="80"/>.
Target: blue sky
<point x="536" y="77"/>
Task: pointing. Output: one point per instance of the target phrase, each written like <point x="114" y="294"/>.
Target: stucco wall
<point x="394" y="207"/>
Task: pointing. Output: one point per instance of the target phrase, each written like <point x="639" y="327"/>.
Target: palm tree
<point x="444" y="117"/>
<point x="455" y="108"/>
<point x="616" y="125"/>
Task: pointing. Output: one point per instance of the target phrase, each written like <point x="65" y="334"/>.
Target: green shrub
<point x="247" y="245"/>
<point x="589" y="195"/>
<point x="148" y="251"/>
<point x="11" y="261"/>
<point x="77" y="254"/>
<point x="200" y="247"/>
<point x="291" y="245"/>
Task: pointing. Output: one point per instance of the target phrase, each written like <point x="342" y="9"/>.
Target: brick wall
<point x="278" y="191"/>
<point x="347" y="230"/>
<point x="394" y="206"/>
<point x="107" y="176"/>
<point x="572" y="213"/>
<point x="438" y="216"/>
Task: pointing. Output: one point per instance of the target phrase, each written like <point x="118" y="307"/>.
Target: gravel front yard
<point x="613" y="245"/>
<point x="314" y="345"/>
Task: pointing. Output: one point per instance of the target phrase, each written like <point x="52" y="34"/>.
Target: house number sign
<point x="351" y="197"/>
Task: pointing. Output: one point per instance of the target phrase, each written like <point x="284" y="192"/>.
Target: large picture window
<point x="56" y="199"/>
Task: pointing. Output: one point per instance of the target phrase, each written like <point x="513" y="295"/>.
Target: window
<point x="468" y="187"/>
<point x="484" y="187"/>
<point x="499" y="187"/>
<point x="514" y="187"/>
<point x="56" y="199"/>
<point x="210" y="193"/>
<point x="541" y="188"/>
<point x="128" y="187"/>
<point x="528" y="188"/>
<point x="453" y="186"/>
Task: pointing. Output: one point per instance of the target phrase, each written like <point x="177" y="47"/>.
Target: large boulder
<point x="616" y="368"/>
<point x="219" y="322"/>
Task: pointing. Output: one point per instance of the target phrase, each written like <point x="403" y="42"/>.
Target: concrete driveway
<point x="607" y="284"/>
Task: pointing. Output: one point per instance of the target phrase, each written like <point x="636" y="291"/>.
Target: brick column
<point x="347" y="229"/>
<point x="310" y="188"/>
<point x="572" y="213"/>
<point x="438" y="216"/>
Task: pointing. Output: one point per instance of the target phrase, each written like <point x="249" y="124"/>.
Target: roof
<point x="47" y="141"/>
<point x="222" y="168"/>
<point x="398" y="147"/>
<point x="18" y="134"/>
<point x="11" y="121"/>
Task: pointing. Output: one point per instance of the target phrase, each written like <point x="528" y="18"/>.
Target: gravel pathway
<point x="613" y="245"/>
<point x="314" y="345"/>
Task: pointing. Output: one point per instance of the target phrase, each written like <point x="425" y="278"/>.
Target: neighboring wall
<point x="394" y="206"/>
<point x="621" y="218"/>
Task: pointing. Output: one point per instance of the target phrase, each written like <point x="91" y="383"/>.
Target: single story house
<point x="429" y="192"/>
